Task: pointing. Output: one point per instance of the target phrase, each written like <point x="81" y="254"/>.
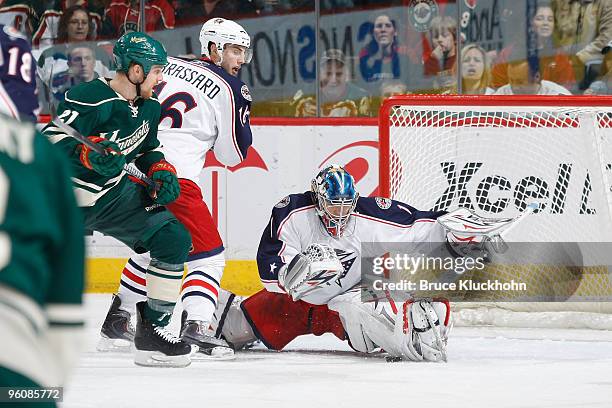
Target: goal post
<point x="497" y="154"/>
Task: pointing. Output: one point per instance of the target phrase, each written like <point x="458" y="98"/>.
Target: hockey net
<point x="496" y="155"/>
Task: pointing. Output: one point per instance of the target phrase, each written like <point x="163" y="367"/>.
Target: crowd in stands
<point x="565" y="49"/>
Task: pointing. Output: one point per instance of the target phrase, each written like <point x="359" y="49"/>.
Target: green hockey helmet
<point x="141" y="49"/>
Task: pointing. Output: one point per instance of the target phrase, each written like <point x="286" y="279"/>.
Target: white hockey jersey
<point x="294" y="225"/>
<point x="202" y="108"/>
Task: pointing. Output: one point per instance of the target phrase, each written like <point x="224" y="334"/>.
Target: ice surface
<point x="488" y="367"/>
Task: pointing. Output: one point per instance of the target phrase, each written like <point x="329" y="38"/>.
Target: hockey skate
<point x="117" y="330"/>
<point x="197" y="332"/>
<point x="155" y="346"/>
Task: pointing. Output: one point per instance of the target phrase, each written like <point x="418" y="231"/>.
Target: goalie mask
<point x="335" y="198"/>
<point x="221" y="32"/>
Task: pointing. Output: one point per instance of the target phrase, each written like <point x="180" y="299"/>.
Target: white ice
<point x="487" y="367"/>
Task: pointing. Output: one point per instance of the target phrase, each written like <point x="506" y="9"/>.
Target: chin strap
<point x="136" y="84"/>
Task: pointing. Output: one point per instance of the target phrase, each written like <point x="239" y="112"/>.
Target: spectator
<point x="198" y="11"/>
<point x="603" y="86"/>
<point x="283" y="6"/>
<point x="475" y="71"/>
<point x="49" y="28"/>
<point x="339" y="97"/>
<point x="123" y="16"/>
<point x="555" y="64"/>
<point x="392" y="87"/>
<point x="381" y="55"/>
<point x="79" y="66"/>
<point x="525" y="80"/>
<point x="19" y="14"/>
<point x="388" y="88"/>
<point x="443" y="39"/>
<point x="583" y="27"/>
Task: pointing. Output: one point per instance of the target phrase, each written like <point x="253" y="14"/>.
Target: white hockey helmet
<point x="221" y="31"/>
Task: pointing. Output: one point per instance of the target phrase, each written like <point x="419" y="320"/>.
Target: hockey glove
<point x="106" y="165"/>
<point x="164" y="174"/>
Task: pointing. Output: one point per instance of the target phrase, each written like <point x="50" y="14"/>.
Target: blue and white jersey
<point x="294" y="225"/>
<point x="203" y="108"/>
<point x="17" y="76"/>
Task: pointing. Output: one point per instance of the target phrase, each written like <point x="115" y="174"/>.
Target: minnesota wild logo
<point x="421" y="12"/>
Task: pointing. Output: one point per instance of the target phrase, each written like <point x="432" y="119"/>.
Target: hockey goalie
<point x="309" y="261"/>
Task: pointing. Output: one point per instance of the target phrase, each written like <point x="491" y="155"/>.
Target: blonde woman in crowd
<point x="475" y="71"/>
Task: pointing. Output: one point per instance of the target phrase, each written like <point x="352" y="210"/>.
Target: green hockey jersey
<point x="95" y="109"/>
<point x="41" y="232"/>
<point x="42" y="256"/>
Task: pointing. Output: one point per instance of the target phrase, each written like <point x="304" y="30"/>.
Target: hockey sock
<point x="163" y="284"/>
<point x="133" y="287"/>
<point x="200" y="290"/>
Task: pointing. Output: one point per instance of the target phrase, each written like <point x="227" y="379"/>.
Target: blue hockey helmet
<point x="335" y="198"/>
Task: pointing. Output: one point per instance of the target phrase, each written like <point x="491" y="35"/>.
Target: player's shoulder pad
<point x="288" y="205"/>
<point x="392" y="211"/>
<point x="92" y="94"/>
<point x="9" y="36"/>
<point x="239" y="88"/>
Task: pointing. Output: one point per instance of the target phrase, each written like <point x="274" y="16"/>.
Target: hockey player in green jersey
<point x="41" y="261"/>
<point x="122" y="115"/>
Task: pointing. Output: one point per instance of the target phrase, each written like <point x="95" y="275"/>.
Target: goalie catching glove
<point x="470" y="235"/>
<point x="164" y="175"/>
<point x="318" y="265"/>
<point x="107" y="165"/>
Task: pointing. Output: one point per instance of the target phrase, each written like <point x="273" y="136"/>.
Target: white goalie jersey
<point x="202" y="108"/>
<point x="294" y="225"/>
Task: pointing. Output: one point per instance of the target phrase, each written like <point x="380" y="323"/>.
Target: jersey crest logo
<point x="246" y="94"/>
<point x="283" y="203"/>
<point x="383" y="203"/>
<point x="134" y="110"/>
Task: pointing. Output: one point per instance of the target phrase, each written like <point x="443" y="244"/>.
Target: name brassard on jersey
<point x="194" y="77"/>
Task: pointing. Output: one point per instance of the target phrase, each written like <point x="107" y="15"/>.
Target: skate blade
<point x="217" y="354"/>
<point x="157" y="359"/>
<point x="115" y="345"/>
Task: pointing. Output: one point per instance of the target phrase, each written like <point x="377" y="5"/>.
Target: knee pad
<point x="171" y="243"/>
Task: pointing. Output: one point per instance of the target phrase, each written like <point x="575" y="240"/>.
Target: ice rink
<point x="488" y="367"/>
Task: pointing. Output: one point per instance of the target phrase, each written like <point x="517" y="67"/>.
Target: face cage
<point x="336" y="224"/>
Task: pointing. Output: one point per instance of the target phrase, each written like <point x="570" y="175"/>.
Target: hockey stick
<point x="70" y="131"/>
<point x="131" y="170"/>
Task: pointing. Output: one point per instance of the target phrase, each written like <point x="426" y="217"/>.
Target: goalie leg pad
<point x="422" y="329"/>
<point x="416" y="330"/>
<point x="368" y="325"/>
<point x="277" y="320"/>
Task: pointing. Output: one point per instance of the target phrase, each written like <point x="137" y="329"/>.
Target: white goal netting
<point x="496" y="155"/>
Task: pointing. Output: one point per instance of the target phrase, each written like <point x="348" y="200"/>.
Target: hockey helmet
<point x="335" y="198"/>
<point x="141" y="49"/>
<point x="221" y="31"/>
